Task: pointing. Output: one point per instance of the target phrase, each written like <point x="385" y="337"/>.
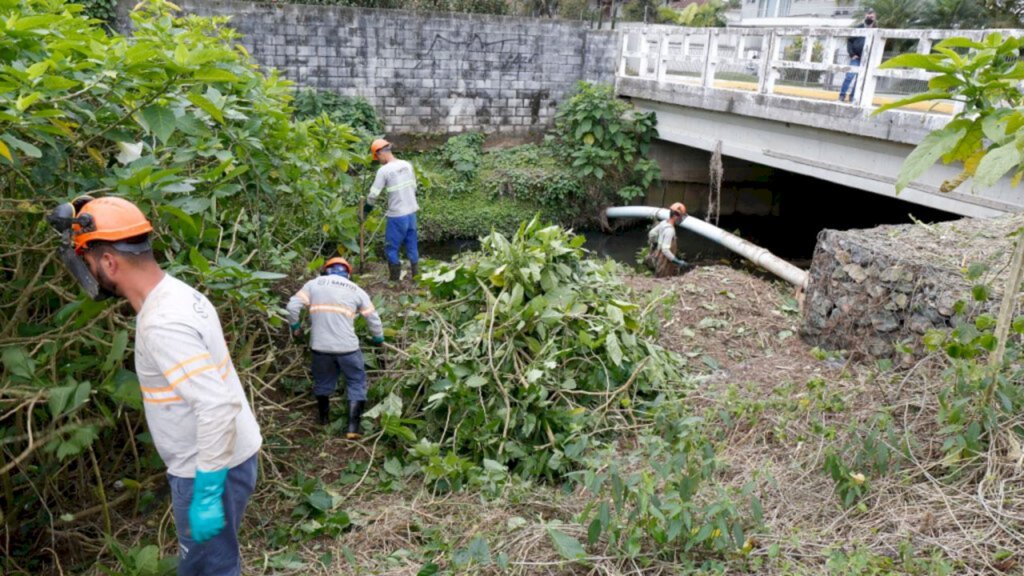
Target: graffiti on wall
<point x="444" y="48"/>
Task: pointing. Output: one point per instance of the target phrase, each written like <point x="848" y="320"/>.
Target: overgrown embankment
<point x="596" y="156"/>
<point x="179" y="120"/>
<point x="532" y="412"/>
<point x="855" y="468"/>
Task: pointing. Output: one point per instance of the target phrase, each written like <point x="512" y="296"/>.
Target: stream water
<point x="791" y="234"/>
<point x="621" y="246"/>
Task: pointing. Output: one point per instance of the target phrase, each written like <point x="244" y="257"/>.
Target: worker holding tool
<point x="333" y="301"/>
<point x="661" y="240"/>
<point x="398" y="179"/>
<point x="196" y="409"/>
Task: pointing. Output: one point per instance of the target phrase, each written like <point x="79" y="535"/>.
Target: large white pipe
<point x="754" y="253"/>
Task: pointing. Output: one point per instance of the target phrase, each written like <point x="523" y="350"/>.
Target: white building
<point x="755" y="9"/>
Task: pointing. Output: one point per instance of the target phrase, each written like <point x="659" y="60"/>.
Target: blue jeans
<point x="327" y="368"/>
<point x="401" y="231"/>
<point x="850" y="81"/>
<point x="218" y="556"/>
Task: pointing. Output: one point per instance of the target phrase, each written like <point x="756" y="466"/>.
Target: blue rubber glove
<point x="297" y="329"/>
<point x="367" y="208"/>
<point x="377" y="340"/>
<point x="206" y="514"/>
<point x="680" y="262"/>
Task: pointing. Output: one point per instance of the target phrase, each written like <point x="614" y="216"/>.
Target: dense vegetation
<point x="595" y="156"/>
<point x="245" y="185"/>
<point x="523" y="382"/>
<point x="179" y="120"/>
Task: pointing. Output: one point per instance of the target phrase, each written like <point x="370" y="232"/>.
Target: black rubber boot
<point x="394" y="272"/>
<point x="323" y="409"/>
<point x="415" y="270"/>
<point x="355" y="417"/>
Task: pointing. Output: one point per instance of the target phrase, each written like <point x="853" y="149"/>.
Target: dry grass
<point x="968" y="514"/>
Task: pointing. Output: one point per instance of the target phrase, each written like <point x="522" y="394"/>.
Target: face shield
<point x="336" y="270"/>
<point x="63" y="218"/>
<point x="125" y="230"/>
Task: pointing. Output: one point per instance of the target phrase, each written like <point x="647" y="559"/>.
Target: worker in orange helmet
<point x="196" y="409"/>
<point x="398" y="179"/>
<point x="333" y="301"/>
<point x="661" y="256"/>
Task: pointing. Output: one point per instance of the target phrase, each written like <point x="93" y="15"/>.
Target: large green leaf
<point x="117" y="349"/>
<point x="611" y="344"/>
<point x="996" y="163"/>
<point x="995" y="126"/>
<point x="923" y="97"/>
<point x="160" y="121"/>
<point x="215" y="75"/>
<point x="207" y="106"/>
<point x="960" y="42"/>
<point x="933" y="147"/>
<point x="147" y="560"/>
<point x="969" y="145"/>
<point x="58" y="397"/>
<point x="320" y="500"/>
<point x="18" y="362"/>
<point x="932" y="63"/>
<point x="569" y="547"/>
<point x="29" y="150"/>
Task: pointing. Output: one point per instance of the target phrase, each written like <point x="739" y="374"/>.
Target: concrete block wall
<point x="426" y="72"/>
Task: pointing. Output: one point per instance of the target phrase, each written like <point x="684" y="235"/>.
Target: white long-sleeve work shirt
<point x="333" y="302"/>
<point x="197" y="411"/>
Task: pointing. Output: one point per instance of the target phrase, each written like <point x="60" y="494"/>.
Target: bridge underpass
<point x="757" y="202"/>
<point x="797" y="161"/>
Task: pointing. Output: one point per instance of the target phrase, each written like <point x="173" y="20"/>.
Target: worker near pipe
<point x="196" y="408"/>
<point x="661" y="242"/>
<point x="398" y="179"/>
<point x="334" y="301"/>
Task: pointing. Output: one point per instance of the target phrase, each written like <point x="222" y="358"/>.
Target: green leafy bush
<point x="534" y="174"/>
<point x="470" y="212"/>
<point x="462" y="153"/>
<point x="521" y="347"/>
<point x="606" y="141"/>
<point x="981" y="397"/>
<point x="317" y="512"/>
<point x="355" y="112"/>
<point x="983" y="136"/>
<point x="180" y="120"/>
<point x="709" y="14"/>
<point x="105" y="10"/>
<point x="140" y="561"/>
<point x="647" y="502"/>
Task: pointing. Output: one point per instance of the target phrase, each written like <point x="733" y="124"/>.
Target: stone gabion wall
<point x="425" y="72"/>
<point x="870" y="289"/>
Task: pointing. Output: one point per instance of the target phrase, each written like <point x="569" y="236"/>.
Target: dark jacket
<point x="855" y="44"/>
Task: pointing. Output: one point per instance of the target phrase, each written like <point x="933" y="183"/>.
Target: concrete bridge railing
<point x="795" y="62"/>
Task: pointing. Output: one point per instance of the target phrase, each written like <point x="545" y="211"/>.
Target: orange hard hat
<point x="378" y="145"/>
<point x="337" y="261"/>
<point x="108" y="219"/>
<point x="678" y="207"/>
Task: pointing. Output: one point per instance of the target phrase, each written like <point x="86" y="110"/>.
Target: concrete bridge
<point x="770" y="96"/>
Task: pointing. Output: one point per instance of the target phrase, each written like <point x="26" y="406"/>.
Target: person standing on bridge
<point x="334" y="301"/>
<point x="661" y="240"/>
<point x="399" y="180"/>
<point x="855" y="50"/>
<point x="196" y="408"/>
